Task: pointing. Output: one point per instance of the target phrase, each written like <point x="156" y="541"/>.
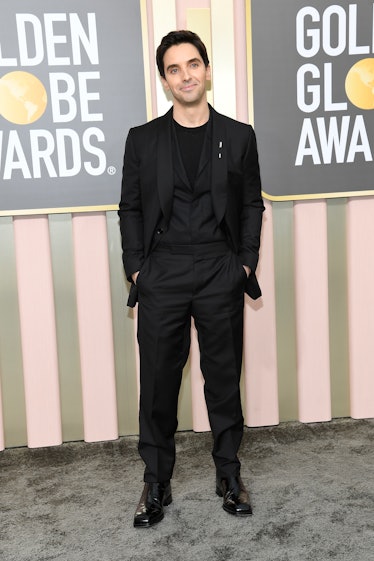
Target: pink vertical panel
<point x="360" y="243"/>
<point x="200" y="421"/>
<point x="38" y="331"/>
<point x="241" y="61"/>
<point x="95" y="327"/>
<point x="312" y="320"/>
<point x="260" y="349"/>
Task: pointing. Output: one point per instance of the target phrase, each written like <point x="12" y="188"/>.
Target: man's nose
<point x="186" y="75"/>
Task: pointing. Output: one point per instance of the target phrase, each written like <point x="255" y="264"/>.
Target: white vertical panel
<point x="312" y="319"/>
<point x="223" y="51"/>
<point x="164" y="20"/>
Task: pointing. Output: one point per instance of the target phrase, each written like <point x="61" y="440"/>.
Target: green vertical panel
<point x="123" y="333"/>
<point x="11" y="367"/>
<point x="338" y="307"/>
<point x="283" y="229"/>
<point x="61" y="238"/>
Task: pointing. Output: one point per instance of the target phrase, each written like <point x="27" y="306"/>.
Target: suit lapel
<point x="205" y="152"/>
<point x="219" y="166"/>
<point x="179" y="168"/>
<point x="165" y="178"/>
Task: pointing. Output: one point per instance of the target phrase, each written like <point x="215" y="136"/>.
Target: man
<point x="190" y="218"/>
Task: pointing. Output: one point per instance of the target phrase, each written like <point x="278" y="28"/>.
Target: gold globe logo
<point x="359" y="84"/>
<point x="23" y="98"/>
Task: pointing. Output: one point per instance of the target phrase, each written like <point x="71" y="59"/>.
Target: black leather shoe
<point x="151" y="505"/>
<point x="235" y="496"/>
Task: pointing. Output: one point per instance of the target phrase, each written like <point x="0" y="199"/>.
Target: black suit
<point x="168" y="294"/>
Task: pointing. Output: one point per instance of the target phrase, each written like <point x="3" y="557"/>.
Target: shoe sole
<point x="149" y="524"/>
<point x="236" y="512"/>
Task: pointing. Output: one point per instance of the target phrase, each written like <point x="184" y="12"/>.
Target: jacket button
<point x="159" y="231"/>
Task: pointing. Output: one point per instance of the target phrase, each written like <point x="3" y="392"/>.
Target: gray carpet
<point x="312" y="490"/>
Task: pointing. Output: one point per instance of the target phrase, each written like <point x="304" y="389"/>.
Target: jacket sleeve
<point x="130" y="211"/>
<point x="251" y="214"/>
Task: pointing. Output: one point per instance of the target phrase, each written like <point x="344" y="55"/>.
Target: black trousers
<point x="205" y="282"/>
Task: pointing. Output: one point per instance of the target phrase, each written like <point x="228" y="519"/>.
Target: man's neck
<point x="191" y="116"/>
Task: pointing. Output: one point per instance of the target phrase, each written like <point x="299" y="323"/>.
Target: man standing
<point x="190" y="217"/>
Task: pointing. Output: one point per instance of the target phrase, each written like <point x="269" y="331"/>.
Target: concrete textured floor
<point x="312" y="491"/>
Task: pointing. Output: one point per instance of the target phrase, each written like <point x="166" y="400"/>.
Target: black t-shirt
<point x="190" y="142"/>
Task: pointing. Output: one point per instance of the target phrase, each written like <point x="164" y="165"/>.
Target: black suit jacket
<point x="148" y="183"/>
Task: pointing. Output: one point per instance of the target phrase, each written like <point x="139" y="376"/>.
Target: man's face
<point x="185" y="74"/>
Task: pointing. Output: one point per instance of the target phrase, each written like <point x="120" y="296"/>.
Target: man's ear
<point x="208" y="72"/>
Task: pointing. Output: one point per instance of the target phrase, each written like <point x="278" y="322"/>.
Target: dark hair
<point x="176" y="38"/>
